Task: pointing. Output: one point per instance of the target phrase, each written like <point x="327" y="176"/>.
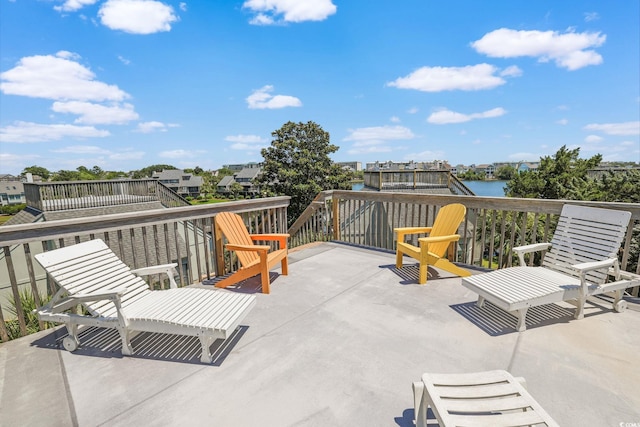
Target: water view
<point x="480" y="188"/>
<point x="487" y="188"/>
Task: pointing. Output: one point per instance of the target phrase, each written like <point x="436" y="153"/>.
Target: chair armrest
<point x="403" y="231"/>
<point x="281" y="238"/>
<point x="534" y="247"/>
<point x="255" y="248"/>
<point x="63" y="304"/>
<point x="270" y="236"/>
<point x="168" y="269"/>
<point x="595" y="265"/>
<point x="436" y="239"/>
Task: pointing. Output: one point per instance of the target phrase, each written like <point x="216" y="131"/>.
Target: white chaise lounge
<point x="117" y="297"/>
<point x="580" y="257"/>
<point x="482" y="399"/>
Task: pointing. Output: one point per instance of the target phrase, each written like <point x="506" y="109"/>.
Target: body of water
<point x="480" y="188"/>
<point x="487" y="188"/>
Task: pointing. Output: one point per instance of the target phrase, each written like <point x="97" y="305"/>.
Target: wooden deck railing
<point x="493" y="225"/>
<point x="415" y="180"/>
<point x="184" y="235"/>
<point x="57" y="196"/>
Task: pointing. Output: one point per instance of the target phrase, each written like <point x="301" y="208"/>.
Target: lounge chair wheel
<point x="70" y="343"/>
<point x="620" y="306"/>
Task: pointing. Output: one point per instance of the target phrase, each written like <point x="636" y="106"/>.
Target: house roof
<point x="226" y="181"/>
<point x="248" y="173"/>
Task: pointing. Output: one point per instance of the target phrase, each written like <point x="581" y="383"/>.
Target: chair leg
<point x="398" y="259"/>
<point x="419" y="404"/>
<point x="422" y="279"/>
<point x="265" y="280"/>
<point x="284" y="264"/>
<point x="522" y="315"/>
<point x="205" y="342"/>
<point x="127" y="350"/>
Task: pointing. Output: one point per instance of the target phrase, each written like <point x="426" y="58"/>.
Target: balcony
<point x="338" y="341"/>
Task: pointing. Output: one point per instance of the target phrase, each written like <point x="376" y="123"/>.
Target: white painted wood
<point x="582" y="254"/>
<point x="492" y="399"/>
<point x="91" y="274"/>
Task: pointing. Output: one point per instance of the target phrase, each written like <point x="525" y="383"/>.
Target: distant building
<point x="238" y="167"/>
<point x="411" y="165"/>
<point x="11" y="190"/>
<point x="351" y="166"/>
<point x="245" y="177"/>
<point x="183" y="183"/>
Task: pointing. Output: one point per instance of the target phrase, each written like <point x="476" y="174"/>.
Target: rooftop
<point x="338" y="342"/>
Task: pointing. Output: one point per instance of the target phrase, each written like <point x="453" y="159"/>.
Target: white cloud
<point x="413" y="110"/>
<point x="97" y="114"/>
<point x="376" y="139"/>
<point x="591" y="16"/>
<point x="569" y="50"/>
<point x="137" y="16"/>
<point x="149" y="127"/>
<point x="563" y="122"/>
<point x="445" y="116"/>
<point x="22" y="132"/>
<point x="262" y="99"/>
<point x="127" y="155"/>
<point x="183" y="6"/>
<point x="81" y="149"/>
<point x="438" y="79"/>
<point x="626" y="128"/>
<point x="395" y="119"/>
<point x="512" y="71"/>
<point x="57" y="77"/>
<point x="73" y="5"/>
<point x="427" y="155"/>
<point x="274" y="11"/>
<point x="124" y="60"/>
<point x="247" y="142"/>
<point x="593" y="139"/>
<point x="180" y="154"/>
<point x="379" y="133"/>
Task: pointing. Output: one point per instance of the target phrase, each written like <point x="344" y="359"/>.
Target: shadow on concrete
<point x="106" y="343"/>
<point x="495" y="321"/>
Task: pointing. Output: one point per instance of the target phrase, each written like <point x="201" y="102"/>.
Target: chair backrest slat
<point x="446" y="223"/>
<point x="235" y="231"/>
<point x="586" y="234"/>
<point x="91" y="267"/>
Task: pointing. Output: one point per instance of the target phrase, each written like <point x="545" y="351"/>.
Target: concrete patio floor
<point x="338" y="342"/>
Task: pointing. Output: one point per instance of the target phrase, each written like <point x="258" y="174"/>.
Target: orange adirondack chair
<point x="254" y="259"/>
<point x="432" y="249"/>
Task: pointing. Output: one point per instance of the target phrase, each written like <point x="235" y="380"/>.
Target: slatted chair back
<point x="586" y="234"/>
<point x="235" y="231"/>
<point x="91" y="268"/>
<point x="447" y="222"/>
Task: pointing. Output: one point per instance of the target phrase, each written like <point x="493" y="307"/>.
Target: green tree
<point x="298" y="165"/>
<point x="561" y="176"/>
<point x="149" y="170"/>
<point x="66" y="175"/>
<point x="506" y="172"/>
<point x="236" y="189"/>
<point x="37" y="170"/>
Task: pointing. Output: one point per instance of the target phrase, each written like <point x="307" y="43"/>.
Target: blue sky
<point x="124" y="84"/>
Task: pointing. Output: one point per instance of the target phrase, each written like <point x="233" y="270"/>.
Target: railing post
<point x="219" y="245"/>
<point x="336" y="217"/>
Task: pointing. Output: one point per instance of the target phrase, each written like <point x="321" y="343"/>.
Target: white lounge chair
<point x="115" y="296"/>
<point x="582" y="254"/>
<point x="488" y="399"/>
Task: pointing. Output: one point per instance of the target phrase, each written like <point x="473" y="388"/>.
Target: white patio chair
<point x="115" y="296"/>
<point x="580" y="257"/>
